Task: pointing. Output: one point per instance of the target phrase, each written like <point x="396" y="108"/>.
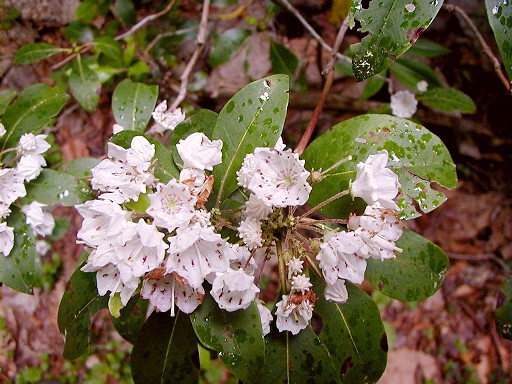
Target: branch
<point x="487" y="50"/>
<point x="310" y="29"/>
<point x="329" y="69"/>
<point x="201" y="39"/>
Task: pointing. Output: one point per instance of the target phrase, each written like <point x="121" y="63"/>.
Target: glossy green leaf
<point x="254" y="117"/>
<point x="164" y="350"/>
<point x="31" y="112"/>
<point x="18" y="269"/>
<point x="448" y="100"/>
<point x="416" y="155"/>
<point x="85" y="85"/>
<point x="52" y="187"/>
<point x="393" y="27"/>
<point x="79" y="168"/>
<point x="354" y="335"/>
<point x="499" y="13"/>
<point x="427" y="48"/>
<point x="165" y="169"/>
<point x="6" y="96"/>
<point x="109" y="47"/>
<point x="283" y="60"/>
<point x="374" y="85"/>
<point x="79" y="303"/>
<point x="203" y="121"/>
<point x="503" y="314"/>
<point x="297" y="359"/>
<point x="133" y="317"/>
<point x="31" y="53"/>
<point x="415" y="274"/>
<point x="236" y="336"/>
<point x="226" y="44"/>
<point x="133" y="103"/>
<point x="411" y="72"/>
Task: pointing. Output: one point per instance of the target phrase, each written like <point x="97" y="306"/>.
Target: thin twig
<point x="312" y="31"/>
<point x="88" y="46"/>
<point x="201" y="39"/>
<point x="487" y="50"/>
<point x="324" y="203"/>
<point x="329" y="70"/>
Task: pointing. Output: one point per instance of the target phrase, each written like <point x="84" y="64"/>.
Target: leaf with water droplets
<point x="164" y="351"/>
<point x="416" y="155"/>
<point x="18" y="270"/>
<point x="253" y="117"/>
<point x="85" y="85"/>
<point x="415" y="274"/>
<point x="393" y="27"/>
<point x="499" y="13"/>
<point x="133" y="103"/>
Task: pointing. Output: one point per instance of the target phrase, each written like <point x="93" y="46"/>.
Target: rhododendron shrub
<point x="227" y="240"/>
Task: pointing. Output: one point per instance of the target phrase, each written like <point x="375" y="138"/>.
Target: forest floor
<point x="448" y="338"/>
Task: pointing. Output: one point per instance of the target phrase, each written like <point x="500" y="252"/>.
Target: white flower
<point x="108" y="279"/>
<point x="194" y="178"/>
<point x="2" y="130"/>
<point x="168" y="291"/>
<point x="103" y="220"/>
<point x="256" y="208"/>
<point x="42" y="247"/>
<point x="234" y="290"/>
<point x="280" y="145"/>
<point x="30" y="166"/>
<point x="339" y="258"/>
<point x="11" y="186"/>
<point x="241" y="257"/>
<point x="336" y="292"/>
<point x="265" y="317"/>
<point x="403" y="104"/>
<point x="116" y="128"/>
<point x="278" y="178"/>
<point x="300" y="283"/>
<point x="166" y="120"/>
<point x="250" y="232"/>
<point x="422" y="86"/>
<point x="376" y="183"/>
<point x="379" y="228"/>
<point x="294" y="267"/>
<point x="32" y="144"/>
<point x="197" y="151"/>
<point x="40" y="221"/>
<point x="127" y="172"/>
<point x="6" y="239"/>
<point x="5" y="211"/>
<point x="195" y="252"/>
<point x="172" y="205"/>
<point x="293" y="317"/>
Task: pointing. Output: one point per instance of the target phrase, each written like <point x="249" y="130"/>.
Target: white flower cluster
<point x="29" y="162"/>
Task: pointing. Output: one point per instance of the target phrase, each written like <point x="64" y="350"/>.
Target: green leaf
<point x="203" y="121"/>
<point x="126" y="9"/>
<point x="283" y="60"/>
<point x="18" y="269"/>
<point x="6" y="97"/>
<point x="133" y="317"/>
<point x="297" y="359"/>
<point x="31" y="53"/>
<point x="33" y="111"/>
<point x="374" y="85"/>
<point x="88" y="10"/>
<point x="416" y="155"/>
<point x="165" y="169"/>
<point x="254" y="117"/>
<point x="133" y="103"/>
<point x="427" y="48"/>
<point x="236" y="336"/>
<point x="79" y="303"/>
<point x="415" y="274"/>
<point x="109" y="47"/>
<point x="503" y="314"/>
<point x="164" y="350"/>
<point x="392" y="29"/>
<point x="226" y="44"/>
<point x="79" y="168"/>
<point x="499" y="14"/>
<point x="53" y="187"/>
<point x="448" y="100"/>
<point x="411" y="72"/>
<point x="354" y="335"/>
<point x="85" y="85"/>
